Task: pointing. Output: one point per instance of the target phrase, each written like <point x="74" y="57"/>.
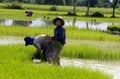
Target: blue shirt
<point x="60" y="35"/>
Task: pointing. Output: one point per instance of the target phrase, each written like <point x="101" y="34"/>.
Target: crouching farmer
<point x="41" y="42"/>
<point x="29" y="13"/>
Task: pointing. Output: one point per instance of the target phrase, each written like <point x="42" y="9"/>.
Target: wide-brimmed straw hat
<point x="58" y="18"/>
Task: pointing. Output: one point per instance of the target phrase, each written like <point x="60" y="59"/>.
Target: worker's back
<point x="41" y="39"/>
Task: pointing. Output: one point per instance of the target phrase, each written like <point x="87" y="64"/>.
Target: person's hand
<point x="48" y="38"/>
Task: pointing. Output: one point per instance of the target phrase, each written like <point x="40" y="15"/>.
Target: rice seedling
<point x="90" y="52"/>
<point x="72" y="51"/>
<point x="72" y="33"/>
<point x="15" y="63"/>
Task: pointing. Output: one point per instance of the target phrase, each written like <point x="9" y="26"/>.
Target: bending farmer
<point x="41" y="42"/>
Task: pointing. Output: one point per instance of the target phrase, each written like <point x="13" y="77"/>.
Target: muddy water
<point x="111" y="67"/>
<point x="101" y="65"/>
<point x="5" y="40"/>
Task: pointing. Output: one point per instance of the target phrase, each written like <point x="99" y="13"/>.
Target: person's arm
<point x="37" y="44"/>
<point x="38" y="47"/>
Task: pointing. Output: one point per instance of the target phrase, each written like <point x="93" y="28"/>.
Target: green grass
<point x="90" y="52"/>
<point x="17" y="65"/>
<point x="71" y="32"/>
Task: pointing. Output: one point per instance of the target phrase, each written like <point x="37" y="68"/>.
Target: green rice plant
<point x="88" y="34"/>
<point x="43" y="10"/>
<point x="53" y="8"/>
<point x="72" y="51"/>
<point x="90" y="52"/>
<point x="72" y="33"/>
<point x="15" y="63"/>
<point x="64" y="8"/>
<point x="25" y="31"/>
<point x="20" y="14"/>
<point x="13" y="6"/>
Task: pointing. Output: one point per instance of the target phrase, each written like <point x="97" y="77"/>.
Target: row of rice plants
<point x="15" y="63"/>
<point x="20" y="15"/>
<point x="72" y="33"/>
<point x="90" y="52"/>
<point x="61" y="8"/>
<point x="76" y="51"/>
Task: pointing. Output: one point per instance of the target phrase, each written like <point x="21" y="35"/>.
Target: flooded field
<point x="5" y="40"/>
<point x="40" y="22"/>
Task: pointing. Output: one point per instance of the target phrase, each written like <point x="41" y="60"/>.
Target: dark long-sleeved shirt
<point x="60" y="35"/>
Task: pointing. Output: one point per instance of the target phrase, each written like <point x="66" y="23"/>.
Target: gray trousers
<point x="50" y="53"/>
<point x="41" y="53"/>
<point x="53" y="54"/>
<point x="56" y="56"/>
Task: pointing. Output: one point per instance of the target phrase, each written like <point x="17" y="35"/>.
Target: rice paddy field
<point x="84" y="47"/>
<point x="15" y="59"/>
<point x="44" y="10"/>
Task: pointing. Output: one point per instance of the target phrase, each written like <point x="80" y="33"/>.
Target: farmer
<point x="29" y="13"/>
<point x="41" y="42"/>
<point x="58" y="40"/>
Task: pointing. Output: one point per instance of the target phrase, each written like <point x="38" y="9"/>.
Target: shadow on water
<point x="42" y="22"/>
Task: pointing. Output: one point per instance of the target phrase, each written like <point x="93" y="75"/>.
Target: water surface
<point x="42" y="22"/>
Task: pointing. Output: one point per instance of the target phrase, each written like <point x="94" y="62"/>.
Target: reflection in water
<point x="23" y="23"/>
<point x="15" y="22"/>
<point x="87" y="25"/>
<point x="46" y="21"/>
<point x="74" y="21"/>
